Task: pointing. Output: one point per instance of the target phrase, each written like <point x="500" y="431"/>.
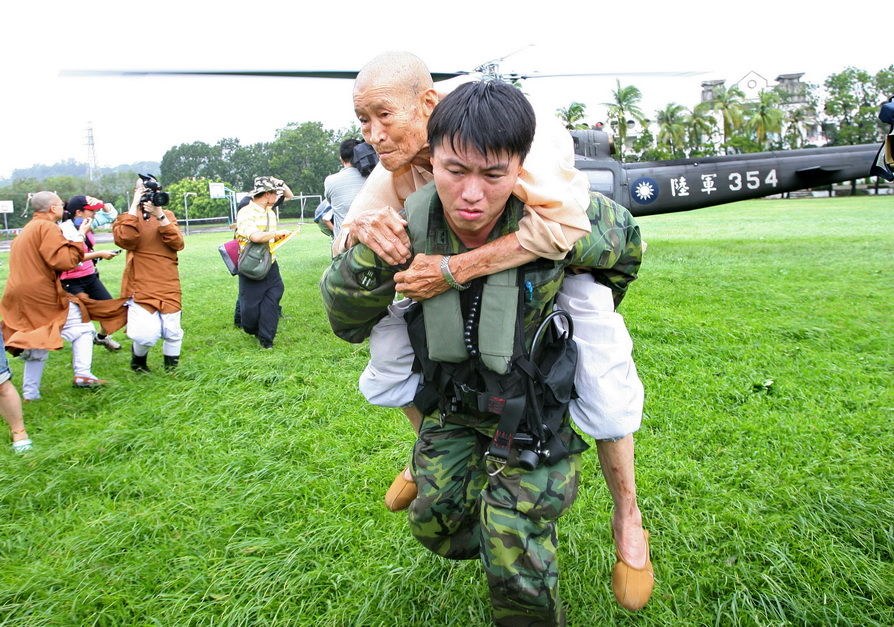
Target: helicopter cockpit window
<point x="602" y="181"/>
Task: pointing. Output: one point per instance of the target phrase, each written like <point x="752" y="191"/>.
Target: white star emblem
<point x="645" y="190"/>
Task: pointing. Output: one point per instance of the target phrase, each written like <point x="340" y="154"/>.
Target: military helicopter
<point x="653" y="187"/>
<point x="646" y="188"/>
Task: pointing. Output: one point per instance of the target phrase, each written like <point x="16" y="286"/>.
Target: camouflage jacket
<point x="358" y="287"/>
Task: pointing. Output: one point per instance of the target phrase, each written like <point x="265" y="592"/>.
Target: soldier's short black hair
<point x="492" y="117"/>
<point x="346" y="150"/>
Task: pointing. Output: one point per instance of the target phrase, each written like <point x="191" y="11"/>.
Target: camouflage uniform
<point x="506" y="519"/>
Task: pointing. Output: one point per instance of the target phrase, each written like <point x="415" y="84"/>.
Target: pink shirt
<point x="85" y="268"/>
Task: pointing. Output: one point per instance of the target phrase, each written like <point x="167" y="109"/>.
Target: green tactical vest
<point x="444" y="324"/>
<point x="527" y="396"/>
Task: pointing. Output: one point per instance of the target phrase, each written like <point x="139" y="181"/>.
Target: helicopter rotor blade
<point x="436" y="76"/>
<point x="639" y="74"/>
<point x="494" y="62"/>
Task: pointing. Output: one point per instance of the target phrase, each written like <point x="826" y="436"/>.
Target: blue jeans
<point x="5" y="372"/>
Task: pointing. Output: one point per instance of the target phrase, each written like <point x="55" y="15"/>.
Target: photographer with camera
<point x="257" y="222"/>
<point x="151" y="281"/>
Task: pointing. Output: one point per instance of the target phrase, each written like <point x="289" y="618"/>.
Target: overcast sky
<point x="44" y="117"/>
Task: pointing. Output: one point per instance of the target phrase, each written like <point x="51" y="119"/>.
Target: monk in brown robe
<point x="37" y="313"/>
<point x="151" y="280"/>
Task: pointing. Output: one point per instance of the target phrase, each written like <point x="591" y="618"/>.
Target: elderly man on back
<point x="497" y="465"/>
<point x="394" y="98"/>
<point x="37" y="313"/>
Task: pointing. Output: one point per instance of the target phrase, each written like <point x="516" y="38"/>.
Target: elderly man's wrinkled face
<point x="57" y="208"/>
<point x="393" y="122"/>
<point x="473" y="188"/>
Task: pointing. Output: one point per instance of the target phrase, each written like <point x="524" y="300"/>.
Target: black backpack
<point x="365" y="158"/>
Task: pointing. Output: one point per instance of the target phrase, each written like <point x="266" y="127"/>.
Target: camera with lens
<point x="153" y="193"/>
<point x="530" y="451"/>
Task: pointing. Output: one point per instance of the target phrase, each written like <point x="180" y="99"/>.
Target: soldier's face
<point x="473" y="188"/>
<point x="393" y="121"/>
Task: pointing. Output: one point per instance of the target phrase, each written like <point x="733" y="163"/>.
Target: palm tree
<point x="672" y="128"/>
<point x="729" y="102"/>
<point x="572" y="115"/>
<point x="766" y="117"/>
<point x="625" y="105"/>
<point x="796" y="120"/>
<point x="701" y="130"/>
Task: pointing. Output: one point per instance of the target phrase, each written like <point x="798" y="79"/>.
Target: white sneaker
<point x="21" y="446"/>
<point x="108" y="342"/>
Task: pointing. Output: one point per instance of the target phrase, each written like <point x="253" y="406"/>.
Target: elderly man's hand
<point x="423" y="279"/>
<point x="384" y="231"/>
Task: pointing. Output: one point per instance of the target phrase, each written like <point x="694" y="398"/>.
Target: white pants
<point x="610" y="402"/>
<point x="610" y="394"/>
<point x="145" y="329"/>
<point x="76" y="331"/>
<point x="388" y="379"/>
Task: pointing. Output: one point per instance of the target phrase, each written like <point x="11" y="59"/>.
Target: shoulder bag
<point x="255" y="259"/>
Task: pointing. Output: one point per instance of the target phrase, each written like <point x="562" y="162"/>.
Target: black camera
<point x="530" y="451"/>
<point x="153" y="194"/>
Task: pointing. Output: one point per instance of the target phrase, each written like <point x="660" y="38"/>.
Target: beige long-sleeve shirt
<point x="556" y="195"/>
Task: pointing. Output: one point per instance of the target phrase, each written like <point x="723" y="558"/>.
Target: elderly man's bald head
<point x="42" y="202"/>
<point x="393" y="99"/>
<point x="401" y="70"/>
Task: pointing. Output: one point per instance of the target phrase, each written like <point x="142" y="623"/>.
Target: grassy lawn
<point x="246" y="488"/>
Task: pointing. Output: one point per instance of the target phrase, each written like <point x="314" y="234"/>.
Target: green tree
<point x="186" y="160"/>
<point x="116" y="188"/>
<point x="742" y="143"/>
<point x="795" y="122"/>
<point x="351" y="132"/>
<point x="729" y="102"/>
<point x="65" y="186"/>
<point x="672" y="121"/>
<point x="247" y="162"/>
<point x="572" y="115"/>
<point x="644" y="145"/>
<point x="624" y="106"/>
<point x="18" y="192"/>
<point x="303" y="155"/>
<point x="765" y="118"/>
<point x="200" y="205"/>
<point x="700" y="130"/>
<point x="852" y="106"/>
<point x="884" y="82"/>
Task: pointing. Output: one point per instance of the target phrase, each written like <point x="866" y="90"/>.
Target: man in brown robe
<point x="151" y="280"/>
<point x="37" y="313"/>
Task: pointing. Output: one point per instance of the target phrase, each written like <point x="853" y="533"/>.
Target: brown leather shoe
<point x="401" y="493"/>
<point x="633" y="586"/>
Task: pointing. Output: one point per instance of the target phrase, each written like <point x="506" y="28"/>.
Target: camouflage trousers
<point x="507" y="519"/>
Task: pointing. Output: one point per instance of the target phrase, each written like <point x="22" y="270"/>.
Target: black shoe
<point x="266" y="345"/>
<point x="171" y="361"/>
<point x="138" y="364"/>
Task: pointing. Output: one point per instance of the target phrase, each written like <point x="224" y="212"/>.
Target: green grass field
<point x="246" y="488"/>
